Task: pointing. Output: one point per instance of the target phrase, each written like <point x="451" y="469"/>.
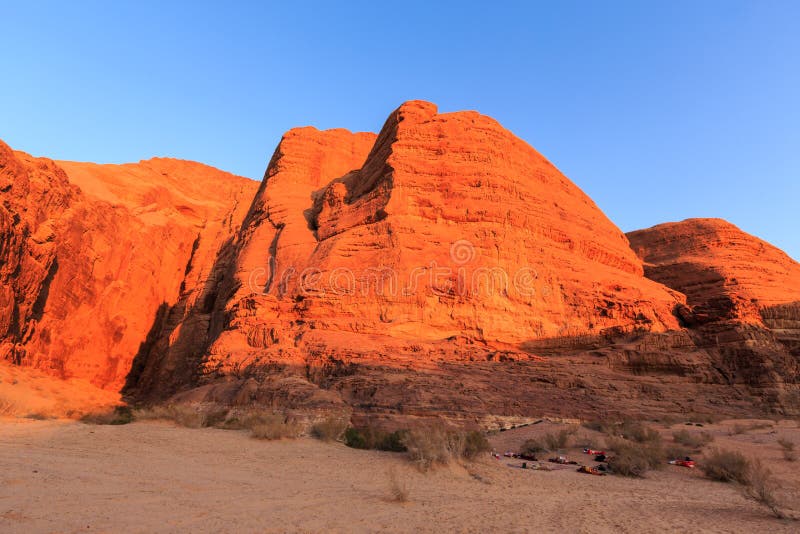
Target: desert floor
<point x="64" y="476"/>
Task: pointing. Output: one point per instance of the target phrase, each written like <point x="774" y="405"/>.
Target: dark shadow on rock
<point x="140" y="359"/>
<point x="37" y="311"/>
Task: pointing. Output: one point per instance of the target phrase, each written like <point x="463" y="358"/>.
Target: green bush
<point x="371" y="438"/>
<point x="355" y="438"/>
<point x="393" y="441"/>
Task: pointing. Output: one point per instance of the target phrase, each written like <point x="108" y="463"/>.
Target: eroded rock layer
<point x="443" y="239"/>
<point x="440" y="267"/>
<point x="90" y="253"/>
<point x="724" y="272"/>
<point x="743" y="298"/>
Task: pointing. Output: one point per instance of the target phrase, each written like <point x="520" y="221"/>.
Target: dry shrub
<point x="761" y="487"/>
<point x="787" y="446"/>
<point x="274" y="426"/>
<point x="634" y="459"/>
<point x="693" y="440"/>
<point x="216" y="416"/>
<point x="627" y="429"/>
<point x="560" y="439"/>
<point x="120" y="415"/>
<point x="585" y="441"/>
<point x="739" y="428"/>
<point x="533" y="447"/>
<point x="398" y="487"/>
<point x="597" y="426"/>
<point x="726" y="466"/>
<point x="638" y="432"/>
<point x="551" y="441"/>
<point x="674" y="451"/>
<point x="755" y="480"/>
<point x="668" y="420"/>
<point x="431" y="445"/>
<point x="475" y="443"/>
<point x="182" y="414"/>
<point x="329" y="429"/>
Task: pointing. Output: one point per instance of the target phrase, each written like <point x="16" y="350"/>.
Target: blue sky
<point x="659" y="110"/>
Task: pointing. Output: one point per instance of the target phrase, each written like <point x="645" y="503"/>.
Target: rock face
<point x="441" y="267"/>
<point x="91" y="253"/>
<point x="443" y="239"/>
<point x="743" y="296"/>
<point x="724" y="272"/>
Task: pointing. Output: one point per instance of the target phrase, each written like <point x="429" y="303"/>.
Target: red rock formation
<point x="744" y="298"/>
<point x="724" y="272"/>
<point x="441" y="205"/>
<point x="443" y="266"/>
<point x="91" y="252"/>
<point x="444" y="238"/>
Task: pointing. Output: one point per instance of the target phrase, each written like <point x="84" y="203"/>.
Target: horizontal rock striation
<point x="743" y="297"/>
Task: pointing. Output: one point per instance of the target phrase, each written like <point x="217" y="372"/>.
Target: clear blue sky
<point x="659" y="110"/>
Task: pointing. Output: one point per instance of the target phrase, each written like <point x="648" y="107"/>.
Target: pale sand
<point x="60" y="476"/>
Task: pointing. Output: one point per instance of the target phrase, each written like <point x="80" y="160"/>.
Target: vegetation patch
<point x="329" y="429"/>
<point x="634" y="458"/>
<point x="754" y="479"/>
<point x="372" y="438"/>
<point x="120" y="415"/>
<point x="432" y="445"/>
<point x="693" y="440"/>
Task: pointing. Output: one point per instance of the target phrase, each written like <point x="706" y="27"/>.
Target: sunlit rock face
<point x="90" y="253"/>
<point x="443" y="238"/>
<point x="441" y="267"/>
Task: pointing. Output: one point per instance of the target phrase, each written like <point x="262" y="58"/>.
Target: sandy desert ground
<point x="65" y="476"/>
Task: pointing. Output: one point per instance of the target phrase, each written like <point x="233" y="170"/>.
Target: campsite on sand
<point x="67" y="476"/>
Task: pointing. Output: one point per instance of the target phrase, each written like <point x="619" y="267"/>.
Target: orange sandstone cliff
<point x="724" y="272"/>
<point x="90" y="254"/>
<point x="370" y="271"/>
<point x="743" y="297"/>
<point x="440" y="267"/>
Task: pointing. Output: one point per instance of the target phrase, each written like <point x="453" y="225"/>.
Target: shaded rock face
<point x="90" y="253"/>
<point x="743" y="297"/>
